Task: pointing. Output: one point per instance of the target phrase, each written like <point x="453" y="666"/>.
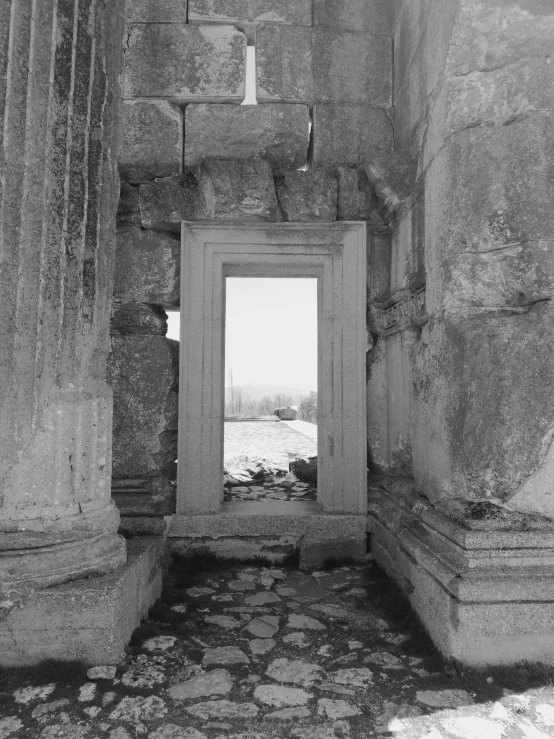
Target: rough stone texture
<point x="156" y="11"/>
<point x="58" y="90"/>
<point x="138" y="318"/>
<point x="144" y="376"/>
<point x="185" y="62"/>
<point x="128" y="213"/>
<point x="216" y="682"/>
<point x="277" y="133"/>
<point x="372" y="16"/>
<point x="351" y="135"/>
<point x="147" y="267"/>
<point x="150" y="140"/>
<point x="307" y="196"/>
<point x="166" y="202"/>
<point x="232" y="11"/>
<point x="318" y="65"/>
<point x="357" y="200"/>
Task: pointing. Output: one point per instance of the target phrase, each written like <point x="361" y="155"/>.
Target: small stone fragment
<point x="354" y="677"/>
<point x="199" y="592"/>
<point x="299" y="622"/>
<point x="297" y="639"/>
<point x="262" y="599"/>
<point x="223" y="709"/>
<point x="87" y="692"/>
<point x="139" y="709"/>
<point x="297" y="671"/>
<point x="336" y="689"/>
<point x="224" y="598"/>
<point x="179" y="608"/>
<point x="92" y="711"/>
<point x="385" y="660"/>
<point x="226" y="622"/>
<point x="266" y="582"/>
<point x="39" y="692"/>
<point x="277" y="695"/>
<point x="352" y="645"/>
<point x="218" y="682"/>
<point x="287" y="714"/>
<point x="102" y="672"/>
<point x="445" y="698"/>
<point x="9" y="725"/>
<point x="397" y="640"/>
<point x="225" y="656"/>
<point x="159" y="643"/>
<point x="285" y="591"/>
<point x="263" y="627"/>
<point x="262" y="646"/>
<point x="143" y="676"/>
<point x="108" y="698"/>
<point x="336" y="708"/>
<point x="47" y="708"/>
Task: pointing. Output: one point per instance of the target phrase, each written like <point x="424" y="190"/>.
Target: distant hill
<point x="257" y="392"/>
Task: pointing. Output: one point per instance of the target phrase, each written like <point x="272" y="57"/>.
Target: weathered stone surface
<point x="147" y="267"/>
<point x="232" y="11"/>
<point x="173" y="731"/>
<point x="144" y="375"/>
<point x="102" y="672"/>
<point x="318" y="65"/>
<point x="156" y="11"/>
<point x="225" y="656"/>
<point x="262" y="599"/>
<point x="352" y="677"/>
<point x="304" y="622"/>
<point x="138" y="318"/>
<point x="167" y="201"/>
<point x="444" y="698"/>
<point x="224" y="622"/>
<point x="151" y="140"/>
<point x="371" y="16"/>
<point x="262" y="646"/>
<point x="297" y="671"/>
<point x="185" y="62"/>
<point x="308" y="196"/>
<point x="288" y="714"/>
<point x="351" y="135"/>
<point x="159" y="643"/>
<point x="277" y="695"/>
<point x="138" y="709"/>
<point x="357" y="200"/>
<point x="335" y="709"/>
<point x="223" y="709"/>
<point x="276" y="133"/>
<point x="241" y="188"/>
<point x="128" y="213"/>
<point x="217" y="682"/>
<point x="263" y="627"/>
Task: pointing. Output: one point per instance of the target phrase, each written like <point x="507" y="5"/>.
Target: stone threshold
<point x="485" y="597"/>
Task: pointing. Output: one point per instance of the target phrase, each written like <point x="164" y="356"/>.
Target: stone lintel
<point x="238" y="11"/>
<point x="89" y="621"/>
<point x="480" y="606"/>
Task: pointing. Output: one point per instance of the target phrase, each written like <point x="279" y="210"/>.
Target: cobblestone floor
<point x="246" y="652"/>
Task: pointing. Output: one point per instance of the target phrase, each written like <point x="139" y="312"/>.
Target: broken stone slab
<point x="357" y="200"/>
<point x="237" y="11"/>
<point x="263" y="627"/>
<point x="144" y="373"/>
<point x="138" y="319"/>
<point x="147" y="267"/>
<point x="128" y="213"/>
<point x="371" y="16"/>
<point x="186" y="63"/>
<point x="151" y="140"/>
<point x="315" y="65"/>
<point x="297" y="671"/>
<point x="223" y="709"/>
<point x="277" y="695"/>
<point x="350" y="135"/>
<point x="308" y="196"/>
<point x="217" y="682"/>
<point x="160" y="11"/>
<point x="277" y="133"/>
<point x="225" y="656"/>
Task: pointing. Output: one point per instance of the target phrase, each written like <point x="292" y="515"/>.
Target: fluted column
<point x="59" y="70"/>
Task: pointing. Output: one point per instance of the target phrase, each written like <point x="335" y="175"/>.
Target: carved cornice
<point x="403" y="309"/>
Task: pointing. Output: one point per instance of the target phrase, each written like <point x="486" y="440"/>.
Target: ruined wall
<point x="190" y="151"/>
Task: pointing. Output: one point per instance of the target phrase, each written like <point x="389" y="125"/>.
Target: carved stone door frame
<point x="335" y="254"/>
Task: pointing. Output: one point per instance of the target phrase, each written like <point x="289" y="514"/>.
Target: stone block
<point x="351" y="135"/>
<point x="276" y="133"/>
<point x="185" y="62"/>
<point x="167" y="201"/>
<point x="144" y="497"/>
<point x="144" y="373"/>
<point x="371" y="16"/>
<point x="357" y="200"/>
<point x="235" y="11"/>
<point x="240" y="188"/>
<point x="298" y="64"/>
<point x="150" y="141"/>
<point x="88" y="621"/>
<point x="306" y="196"/>
<point x="156" y="11"/>
<point x="484" y="396"/>
<point x="128" y="213"/>
<point x="138" y="319"/>
<point x="147" y="267"/>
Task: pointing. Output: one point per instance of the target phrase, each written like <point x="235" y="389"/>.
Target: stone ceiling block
<point x="350" y="134"/>
<point x="156" y="11"/>
<point x="276" y="133"/>
<point x="372" y="16"/>
<point x="188" y="63"/>
<point x="307" y="196"/>
<point x="150" y="140"/>
<point x="322" y="65"/>
<point x="232" y="11"/>
<point x="147" y="267"/>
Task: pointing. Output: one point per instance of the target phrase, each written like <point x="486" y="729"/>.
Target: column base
<point x="89" y="620"/>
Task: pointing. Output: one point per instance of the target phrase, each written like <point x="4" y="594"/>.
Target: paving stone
<point x="337" y="689"/>
<point x="307" y="196"/>
<point x="224" y="598"/>
<point x="336" y="708"/>
<point x="87" y="692"/>
<point x="331" y="610"/>
<point x="384" y="659"/>
<point x="223" y="709"/>
<point x="285" y="591"/>
<point x="276" y="133"/>
<point x="288" y="714"/>
<point x="143" y="676"/>
<point x="217" y="682"/>
<point x="277" y="695"/>
<point x="139" y="709"/>
<point x="45" y="708"/>
<point x="263" y="627"/>
<point x="159" y="643"/>
<point x="262" y="646"/>
<point x="304" y="622"/>
<point x="30" y="694"/>
<point x="179" y="608"/>
<point x="185" y="62"/>
<point x="358" y="677"/>
<point x="297" y="639"/>
<point x="233" y="11"/>
<point x="199" y="592"/>
<point x="102" y="672"/>
<point x="225" y="656"/>
<point x="473" y="727"/>
<point x="226" y="622"/>
<point x="9" y="725"/>
<point x="262" y="599"/>
<point x="444" y="698"/>
<point x="172" y="731"/>
<point x="355" y="644"/>
<point x="297" y="672"/>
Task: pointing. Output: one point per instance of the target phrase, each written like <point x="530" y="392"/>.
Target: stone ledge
<point x="89" y="621"/>
<point x="481" y="606"/>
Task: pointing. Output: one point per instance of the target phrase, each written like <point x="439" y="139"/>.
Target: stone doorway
<point x="335" y="254"/>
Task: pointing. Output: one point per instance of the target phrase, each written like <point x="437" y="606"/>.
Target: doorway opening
<point x="271" y="383"/>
